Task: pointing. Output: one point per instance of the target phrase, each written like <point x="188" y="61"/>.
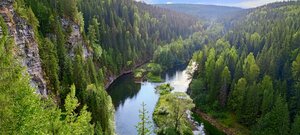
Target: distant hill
<point x="203" y="11"/>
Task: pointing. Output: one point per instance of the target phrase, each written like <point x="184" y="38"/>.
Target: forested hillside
<point x="204" y="12"/>
<point x="127" y="31"/>
<point x="22" y="111"/>
<point x="57" y="57"/>
<point x="80" y="47"/>
<point x="251" y="75"/>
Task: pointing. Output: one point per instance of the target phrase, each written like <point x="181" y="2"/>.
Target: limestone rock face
<point x="26" y="47"/>
<point x="75" y="39"/>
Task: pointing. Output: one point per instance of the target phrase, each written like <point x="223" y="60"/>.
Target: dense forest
<point x="204" y="12"/>
<point x="252" y="72"/>
<point x="247" y="76"/>
<point x="82" y="46"/>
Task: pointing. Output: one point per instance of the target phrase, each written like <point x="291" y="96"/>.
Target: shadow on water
<point x="127" y="97"/>
<point x="122" y="89"/>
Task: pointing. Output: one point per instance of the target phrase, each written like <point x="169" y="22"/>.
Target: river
<point x="127" y="97"/>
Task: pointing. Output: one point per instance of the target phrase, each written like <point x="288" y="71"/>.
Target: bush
<point x="164" y="89"/>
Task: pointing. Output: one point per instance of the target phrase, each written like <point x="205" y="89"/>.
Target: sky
<point x="234" y="3"/>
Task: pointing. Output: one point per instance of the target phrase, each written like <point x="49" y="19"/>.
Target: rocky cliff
<point x="26" y="47"/>
<point x="75" y="39"/>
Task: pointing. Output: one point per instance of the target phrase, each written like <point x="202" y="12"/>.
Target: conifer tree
<point x="144" y="127"/>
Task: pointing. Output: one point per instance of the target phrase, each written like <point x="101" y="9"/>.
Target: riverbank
<point x="113" y="78"/>
<point x="215" y="123"/>
<point x="234" y="129"/>
<point x="127" y="96"/>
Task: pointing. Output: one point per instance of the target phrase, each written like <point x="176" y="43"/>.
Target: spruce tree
<point x="144" y="126"/>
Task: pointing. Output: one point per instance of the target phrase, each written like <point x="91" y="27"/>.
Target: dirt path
<point x="215" y="123"/>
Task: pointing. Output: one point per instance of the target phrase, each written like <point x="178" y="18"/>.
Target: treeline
<point x="128" y="31"/>
<point x="82" y="44"/>
<point x="179" y="51"/>
<point x="23" y="112"/>
<point x="253" y="71"/>
<point x="67" y="67"/>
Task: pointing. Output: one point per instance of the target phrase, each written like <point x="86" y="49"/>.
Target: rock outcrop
<point x="75" y="39"/>
<point x="26" y="47"/>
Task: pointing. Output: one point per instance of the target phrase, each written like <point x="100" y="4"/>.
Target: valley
<point x="111" y="67"/>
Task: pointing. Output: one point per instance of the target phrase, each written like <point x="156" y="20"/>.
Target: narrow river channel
<point x="127" y="97"/>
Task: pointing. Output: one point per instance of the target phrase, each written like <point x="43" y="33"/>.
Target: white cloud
<point x="146" y="1"/>
<point x="245" y="3"/>
<point x="254" y="3"/>
<point x="169" y="2"/>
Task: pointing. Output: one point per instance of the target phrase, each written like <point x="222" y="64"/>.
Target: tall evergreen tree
<point x="295" y="130"/>
<point x="276" y="121"/>
<point x="144" y="127"/>
<point x="268" y="94"/>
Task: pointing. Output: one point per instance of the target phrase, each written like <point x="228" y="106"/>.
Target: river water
<point x="127" y="97"/>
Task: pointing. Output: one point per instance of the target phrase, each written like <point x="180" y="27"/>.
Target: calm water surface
<point x="127" y="97"/>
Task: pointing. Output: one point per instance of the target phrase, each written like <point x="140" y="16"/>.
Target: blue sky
<point x="235" y="3"/>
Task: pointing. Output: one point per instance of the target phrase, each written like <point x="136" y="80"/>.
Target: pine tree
<point x="225" y="86"/>
<point x="295" y="130"/>
<point x="74" y="123"/>
<point x="275" y="122"/>
<point x="296" y="77"/>
<point x="50" y="65"/>
<point x="266" y="87"/>
<point x="250" y="69"/>
<point x="144" y="127"/>
<point x="237" y="95"/>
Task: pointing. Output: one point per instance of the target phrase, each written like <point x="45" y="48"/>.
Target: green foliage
<point x="250" y="68"/>
<point x="123" y="31"/>
<point x="268" y="94"/>
<point x="154" y="68"/>
<point x="23" y="111"/>
<point x="154" y="78"/>
<point x="204" y="12"/>
<point x="65" y="65"/>
<point x="78" y="124"/>
<point x="274" y="122"/>
<point x="50" y="65"/>
<point x="164" y="89"/>
<point x="210" y="129"/>
<point x="178" y="52"/>
<point x="295" y="130"/>
<point x="251" y="60"/>
<point x="69" y="8"/>
<point x="258" y="56"/>
<point x="150" y="71"/>
<point x="93" y="34"/>
<point x="100" y="105"/>
<point x="237" y="95"/>
<point x="170" y="113"/>
<point x="144" y="126"/>
<point x="296" y="74"/>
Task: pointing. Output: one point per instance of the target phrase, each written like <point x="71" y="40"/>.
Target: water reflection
<point x="122" y="89"/>
<point x="127" y="96"/>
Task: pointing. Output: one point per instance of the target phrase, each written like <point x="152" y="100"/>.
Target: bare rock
<point x="26" y="47"/>
<point x="75" y="39"/>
